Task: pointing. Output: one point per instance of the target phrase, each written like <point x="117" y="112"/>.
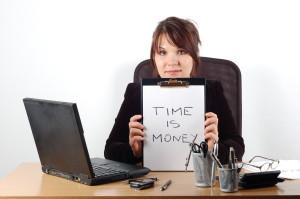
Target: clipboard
<point x="173" y="115"/>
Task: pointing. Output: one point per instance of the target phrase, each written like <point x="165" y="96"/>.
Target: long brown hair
<point x="181" y="33"/>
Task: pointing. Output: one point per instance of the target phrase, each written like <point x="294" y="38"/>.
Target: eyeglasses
<point x="265" y="166"/>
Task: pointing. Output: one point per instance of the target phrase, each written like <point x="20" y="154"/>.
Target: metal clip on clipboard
<point x="173" y="83"/>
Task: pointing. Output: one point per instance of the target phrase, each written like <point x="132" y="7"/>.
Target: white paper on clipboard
<point x="172" y="117"/>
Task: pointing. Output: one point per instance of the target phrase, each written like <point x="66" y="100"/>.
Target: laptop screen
<point x="58" y="135"/>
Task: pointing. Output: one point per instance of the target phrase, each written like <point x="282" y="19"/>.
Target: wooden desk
<point x="27" y="180"/>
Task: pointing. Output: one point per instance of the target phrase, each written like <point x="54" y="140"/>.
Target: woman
<point x="174" y="54"/>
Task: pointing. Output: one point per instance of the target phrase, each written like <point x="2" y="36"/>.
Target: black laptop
<point x="60" y="142"/>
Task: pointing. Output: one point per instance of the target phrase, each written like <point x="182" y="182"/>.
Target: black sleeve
<point x="117" y="145"/>
<point x="228" y="134"/>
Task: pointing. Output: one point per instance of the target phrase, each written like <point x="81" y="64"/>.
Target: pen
<point x="236" y="163"/>
<point x="216" y="160"/>
<point x="231" y="164"/>
<point x="165" y="185"/>
<point x="188" y="158"/>
<point x="213" y="175"/>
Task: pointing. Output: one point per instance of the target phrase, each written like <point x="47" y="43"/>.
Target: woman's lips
<point x="173" y="72"/>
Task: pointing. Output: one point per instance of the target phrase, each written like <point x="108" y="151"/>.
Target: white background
<point x="86" y="52"/>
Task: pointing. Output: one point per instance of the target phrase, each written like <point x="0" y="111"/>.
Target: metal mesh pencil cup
<point x="202" y="169"/>
<point x="229" y="179"/>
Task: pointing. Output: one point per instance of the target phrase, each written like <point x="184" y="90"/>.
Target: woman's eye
<point x="181" y="52"/>
<point x="162" y="53"/>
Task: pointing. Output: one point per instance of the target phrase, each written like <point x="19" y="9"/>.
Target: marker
<point x="165" y="185"/>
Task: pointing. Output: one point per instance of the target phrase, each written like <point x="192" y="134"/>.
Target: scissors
<point x="198" y="148"/>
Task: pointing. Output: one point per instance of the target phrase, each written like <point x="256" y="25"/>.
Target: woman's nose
<point x="172" y="59"/>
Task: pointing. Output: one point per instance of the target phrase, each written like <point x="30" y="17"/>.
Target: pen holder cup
<point x="202" y="169"/>
<point x="229" y="179"/>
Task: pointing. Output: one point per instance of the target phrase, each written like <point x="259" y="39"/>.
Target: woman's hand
<point x="136" y="135"/>
<point x="211" y="129"/>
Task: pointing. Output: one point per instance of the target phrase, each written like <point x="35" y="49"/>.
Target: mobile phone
<point x="142" y="185"/>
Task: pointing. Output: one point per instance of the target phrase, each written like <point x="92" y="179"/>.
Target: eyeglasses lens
<point x="265" y="167"/>
<point x="275" y="164"/>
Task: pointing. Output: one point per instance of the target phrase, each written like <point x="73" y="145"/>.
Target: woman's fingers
<point x="136" y="135"/>
<point x="134" y="122"/>
<point x="210" y="114"/>
<point x="135" y="118"/>
<point x="211" y="118"/>
<point x="137" y="125"/>
<point x="136" y="145"/>
<point x="135" y="132"/>
<point x="134" y="142"/>
<point x="211" y="128"/>
<point x="210" y="136"/>
<point x="136" y="139"/>
<point x="211" y="123"/>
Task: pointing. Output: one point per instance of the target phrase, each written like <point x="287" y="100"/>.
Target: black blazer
<point x="117" y="145"/>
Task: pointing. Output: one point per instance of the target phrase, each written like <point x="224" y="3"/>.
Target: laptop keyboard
<point x="101" y="170"/>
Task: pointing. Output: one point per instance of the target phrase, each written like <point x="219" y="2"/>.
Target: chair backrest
<point x="222" y="70"/>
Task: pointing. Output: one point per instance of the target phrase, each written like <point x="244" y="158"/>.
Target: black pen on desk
<point x="166" y="185"/>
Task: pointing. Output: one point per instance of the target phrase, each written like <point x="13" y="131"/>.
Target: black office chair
<point x="222" y="70"/>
